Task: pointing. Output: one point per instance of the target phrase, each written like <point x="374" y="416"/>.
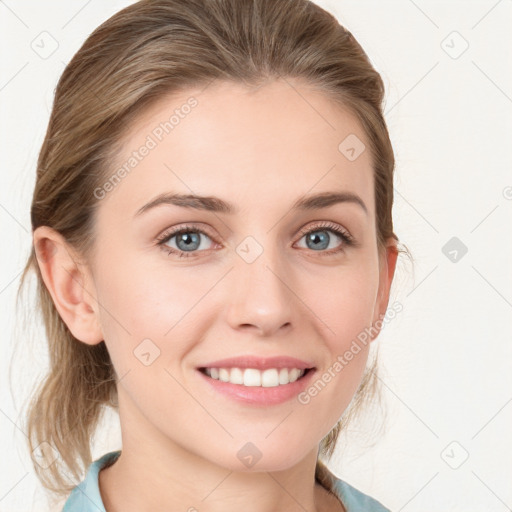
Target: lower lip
<point x="259" y="395"/>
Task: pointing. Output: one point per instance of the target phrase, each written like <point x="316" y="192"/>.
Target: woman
<point x="214" y="248"/>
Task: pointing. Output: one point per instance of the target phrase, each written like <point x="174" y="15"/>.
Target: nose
<point x="260" y="295"/>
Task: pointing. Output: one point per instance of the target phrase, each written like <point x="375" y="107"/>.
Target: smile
<point x="252" y="377"/>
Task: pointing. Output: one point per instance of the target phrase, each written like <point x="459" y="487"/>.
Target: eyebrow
<point x="217" y="205"/>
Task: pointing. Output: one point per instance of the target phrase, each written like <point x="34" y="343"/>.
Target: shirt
<point x="86" y="497"/>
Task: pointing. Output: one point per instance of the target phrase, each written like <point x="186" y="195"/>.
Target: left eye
<point x="320" y="239"/>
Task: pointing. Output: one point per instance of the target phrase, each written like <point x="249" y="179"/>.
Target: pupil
<point x="189" y="240"/>
<point x="322" y="237"/>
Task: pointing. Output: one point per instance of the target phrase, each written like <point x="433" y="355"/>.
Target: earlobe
<point x="72" y="293"/>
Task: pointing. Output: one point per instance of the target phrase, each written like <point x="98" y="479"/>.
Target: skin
<point x="260" y="150"/>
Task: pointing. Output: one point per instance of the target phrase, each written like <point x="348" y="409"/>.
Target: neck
<point x="161" y="475"/>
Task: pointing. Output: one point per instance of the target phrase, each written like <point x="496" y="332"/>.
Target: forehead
<point x="271" y="144"/>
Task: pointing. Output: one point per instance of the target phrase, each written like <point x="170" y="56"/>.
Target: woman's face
<point x="242" y="283"/>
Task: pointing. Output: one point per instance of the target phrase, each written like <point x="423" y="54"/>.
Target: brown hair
<point x="147" y="50"/>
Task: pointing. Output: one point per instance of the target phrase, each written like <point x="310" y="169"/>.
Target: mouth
<point x="253" y="377"/>
<point x="254" y="387"/>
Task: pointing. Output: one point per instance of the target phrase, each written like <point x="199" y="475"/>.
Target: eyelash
<point x="347" y="238"/>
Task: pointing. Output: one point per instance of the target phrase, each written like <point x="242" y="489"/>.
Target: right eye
<point x="188" y="241"/>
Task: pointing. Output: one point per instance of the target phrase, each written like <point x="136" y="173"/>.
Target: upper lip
<point x="260" y="363"/>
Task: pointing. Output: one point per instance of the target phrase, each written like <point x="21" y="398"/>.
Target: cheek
<point x="145" y="296"/>
<point x="344" y="311"/>
<point x="344" y="303"/>
<point x="143" y="302"/>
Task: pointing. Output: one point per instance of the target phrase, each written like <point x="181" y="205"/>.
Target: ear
<point x="387" y="268"/>
<point x="69" y="284"/>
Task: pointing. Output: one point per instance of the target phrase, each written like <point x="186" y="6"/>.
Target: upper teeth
<point x="253" y="377"/>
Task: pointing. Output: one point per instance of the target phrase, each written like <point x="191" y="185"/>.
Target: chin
<point x="251" y="459"/>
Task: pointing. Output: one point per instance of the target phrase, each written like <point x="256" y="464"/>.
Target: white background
<point x="446" y="359"/>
